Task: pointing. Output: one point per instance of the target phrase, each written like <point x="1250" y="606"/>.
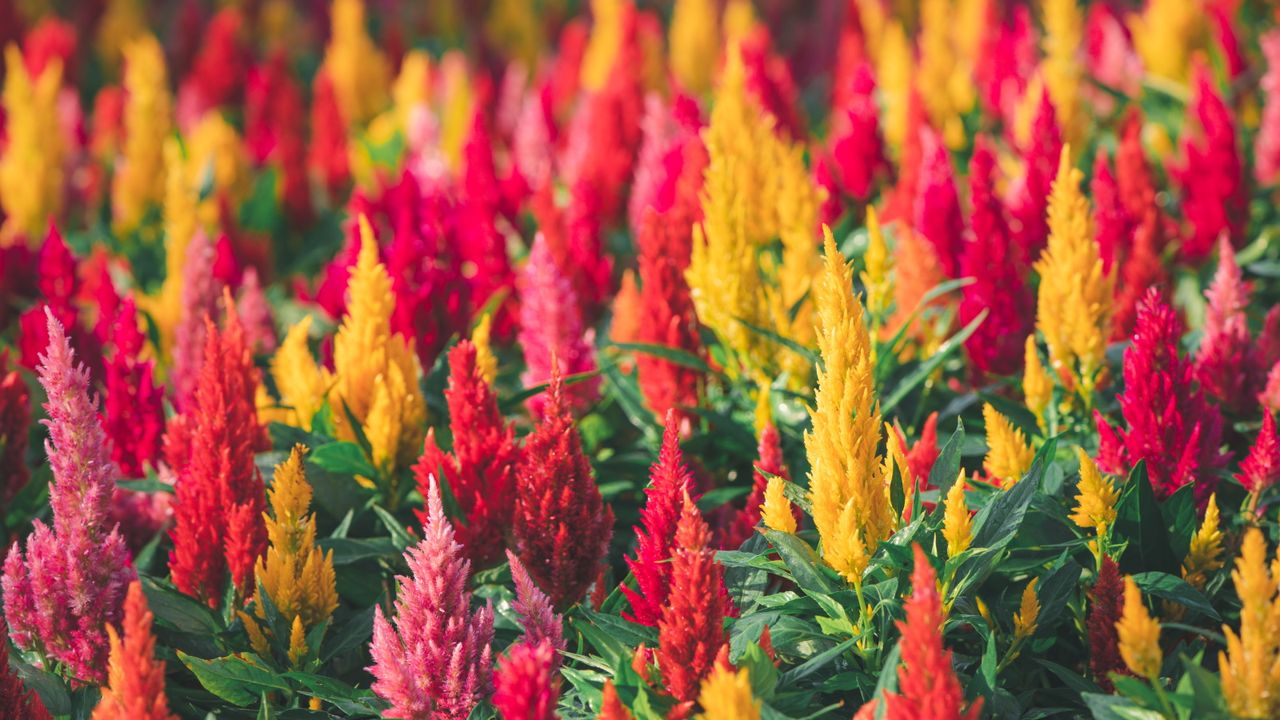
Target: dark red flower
<point x="133" y="416"/>
<point x="691" y="627"/>
<point x="222" y="62"/>
<point x="1105" y="602"/>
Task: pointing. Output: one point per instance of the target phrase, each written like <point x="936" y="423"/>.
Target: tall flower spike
<point x="538" y="619"/>
<point x="526" y="685"/>
<point x="1037" y="385"/>
<point x="938" y="216"/>
<point x="31" y="166"/>
<point x="433" y="660"/>
<point x="1105" y="602"/>
<point x="1139" y="634"/>
<point x="481" y="469"/>
<point x="669" y="481"/>
<point x="1266" y="144"/>
<point x="767" y="501"/>
<point x="1075" y="293"/>
<point x="1009" y="455"/>
<point x="846" y="483"/>
<point x="301" y="382"/>
<point x="199" y="298"/>
<point x="1095" y="498"/>
<point x="1205" y="554"/>
<point x="1215" y="195"/>
<point x="691" y="629"/>
<point x="360" y="73"/>
<point x="1250" y="667"/>
<point x="1228" y="363"/>
<point x="70" y="584"/>
<point x="726" y="695"/>
<point x="927" y="681"/>
<point x="611" y="707"/>
<point x="135" y="679"/>
<point x="1261" y="468"/>
<point x="561" y="526"/>
<point x="139" y="180"/>
<point x="957" y="528"/>
<point x="134" y="412"/>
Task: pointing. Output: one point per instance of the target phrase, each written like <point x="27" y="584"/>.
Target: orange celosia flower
<point x="135" y="679"/>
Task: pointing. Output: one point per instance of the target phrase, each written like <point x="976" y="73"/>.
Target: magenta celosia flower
<point x="1029" y="198"/>
<point x="855" y="145"/>
<point x="1228" y="363"/>
<point x="1110" y="56"/>
<point x="1215" y="200"/>
<point x="60" y="595"/>
<point x="937" y="205"/>
<point x="1007" y="59"/>
<point x="768" y="80"/>
<point x="667" y="127"/>
<point x="199" y="303"/>
<point x="538" y="619"/>
<point x="1261" y="468"/>
<point x="551" y="330"/>
<point x="255" y="313"/>
<point x="1266" y="144"/>
<point x="527" y="684"/>
<point x="1167" y="420"/>
<point x="432" y="661"/>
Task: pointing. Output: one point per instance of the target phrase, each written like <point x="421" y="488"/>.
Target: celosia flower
<point x="1024" y="621"/>
<point x="135" y="679"/>
<point x="1169" y="422"/>
<point x="957" y="528"/>
<point x="1164" y="35"/>
<point x="199" y="298"/>
<point x="937" y="214"/>
<point x="1266" y="144"/>
<point x="255" y="313"/>
<point x="1037" y="385"/>
<point x="1029" y="203"/>
<point x="1063" y="38"/>
<point x="846" y="483"/>
<point x="775" y="510"/>
<point x="611" y="707"/>
<point x="481" y="469"/>
<point x="695" y="44"/>
<point x="139" y="179"/>
<point x="1228" y="365"/>
<point x="15" y="423"/>
<point x="667" y="128"/>
<point x="1142" y="269"/>
<point x="1139" y="634"/>
<point x="999" y="285"/>
<point x="218" y="526"/>
<point x="1073" y="308"/>
<point x="1009" y="455"/>
<point x="327" y="154"/>
<point x="561" y="526"/>
<point x="1215" y="198"/>
<point x="726" y="695"/>
<point x="60" y="289"/>
<point x="917" y="270"/>
<point x="180" y="225"/>
<point x="301" y="383"/>
<point x="877" y="277"/>
<point x="669" y="481"/>
<point x="51" y="39"/>
<point x="924" y="452"/>
<point x="1105" y="601"/>
<point x="274" y="131"/>
<point x="1007" y="58"/>
<point x="434" y="661"/>
<point x="943" y="76"/>
<point x="1095" y="497"/>
<point x="797" y="211"/>
<point x="1261" y="468"/>
<point x="526" y="685"/>
<point x="1205" y="554"/>
<point x="540" y="622"/>
<point x="360" y="73"/>
<point x="1250" y="668"/>
<point x="222" y="62"/>
<point x="690" y="630"/>
<point x="854" y="144"/>
<point x="31" y="166"/>
<point x="551" y="331"/>
<point x="766" y="500"/>
<point x="133" y="416"/>
<point x="927" y="683"/>
<point x="70" y="583"/>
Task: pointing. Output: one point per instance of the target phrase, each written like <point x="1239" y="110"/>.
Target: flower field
<point x="640" y="359"/>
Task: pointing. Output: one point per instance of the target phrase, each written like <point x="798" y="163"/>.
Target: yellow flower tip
<point x="1250" y="675"/>
<point x="764" y="403"/>
<point x="1205" y="554"/>
<point x="957" y="526"/>
<point x="257" y="640"/>
<point x="297" y="642"/>
<point x="486" y="362"/>
<point x="726" y="695"/>
<point x="1096" y="497"/>
<point x="1139" y="634"/>
<point x="775" y="511"/>
<point x="1009" y="455"/>
<point x="1024" y="621"/>
<point x="1037" y="384"/>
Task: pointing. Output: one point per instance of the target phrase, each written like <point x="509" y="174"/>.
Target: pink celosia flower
<point x="71" y="582"/>
<point x="667" y="128"/>
<point x="1266" y="145"/>
<point x="526" y="685"/>
<point x="1228" y="364"/>
<point x="1215" y="198"/>
<point x="855" y="146"/>
<point x="1007" y="59"/>
<point x="255" y="313"/>
<point x="541" y="623"/>
<point x="199" y="302"/>
<point x="1168" y="422"/>
<point x="551" y="330"/>
<point x="1261" y="468"/>
<point x="1110" y="56"/>
<point x="432" y="661"/>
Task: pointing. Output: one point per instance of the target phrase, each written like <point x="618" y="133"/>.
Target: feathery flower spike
<point x="1250" y="666"/>
<point x="1106" y="599"/>
<point x="726" y="695"/>
<point x="1261" y="468"/>
<point x="538" y="619"/>
<point x="1095" y="498"/>
<point x="1205" y="554"/>
<point x="1139" y="634"/>
<point x="691" y="627"/>
<point x="1009" y="455"/>
<point x="957" y="528"/>
<point x="135" y="680"/>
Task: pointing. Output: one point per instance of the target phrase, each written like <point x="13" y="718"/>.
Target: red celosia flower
<point x="327" y="154"/>
<point x="1105" y="602"/>
<point x="18" y="279"/>
<point x="15" y="422"/>
<point x="999" y="286"/>
<point x="901" y="202"/>
<point x="1110" y="57"/>
<point x="855" y="145"/>
<point x="222" y="62"/>
<point x="1111" y="221"/>
<point x="927" y="683"/>
<point x="1029" y="201"/>
<point x="1261" y="468"/>
<point x="669" y="481"/>
<point x="526" y="685"/>
<point x="134" y="410"/>
<point x="1215" y="200"/>
<point x="1266" y="144"/>
<point x="59" y="285"/>
<point x="1143" y="268"/>
<point x="1133" y="176"/>
<point x="135" y="680"/>
<point x="1228" y="363"/>
<point x="16" y="701"/>
<point x="1007" y="59"/>
<point x="611" y="707"/>
<point x="219" y="503"/>
<point x="478" y="242"/>
<point x="561" y="525"/>
<point x="768" y="80"/>
<point x="691" y="627"/>
<point x="667" y="315"/>
<point x="480" y="472"/>
<point x="51" y="39"/>
<point x="274" y="131"/>
<point x="1168" y="422"/>
<point x="1227" y="39"/>
<point x="937" y="205"/>
<point x="668" y="128"/>
<point x="924" y="453"/>
<point x="199" y="303"/>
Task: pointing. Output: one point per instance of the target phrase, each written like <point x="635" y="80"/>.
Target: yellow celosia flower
<point x="1037" y="385"/>
<point x="1063" y="38"/>
<point x="360" y="72"/>
<point x="739" y="18"/>
<point x="139" y="181"/>
<point x="257" y="638"/>
<point x="457" y="100"/>
<point x="411" y="89"/>
<point x="297" y="642"/>
<point x="1096" y="499"/>
<point x="1205" y="554"/>
<point x="486" y="362"/>
<point x="776" y="511"/>
<point x="895" y="67"/>
<point x="797" y="202"/>
<point x="604" y="44"/>
<point x="878" y="264"/>
<point x="1024" y="621"/>
<point x="694" y="40"/>
<point x="31" y="177"/>
<point x="957" y="526"/>
<point x="1024" y="115"/>
<point x="1009" y="455"/>
<point x="301" y="382"/>
<point x="1139" y="634"/>
<point x="1166" y="33"/>
<point x="1074" y="308"/>
<point x="726" y="695"/>
<point x="278" y="25"/>
<point x="180" y="201"/>
<point x="514" y="26"/>
<point x="763" y="417"/>
<point x="944" y="80"/>
<point x="216" y="157"/>
<point x="846" y="482"/>
<point x="1250" y="666"/>
<point x="122" y="21"/>
<point x="375" y="368"/>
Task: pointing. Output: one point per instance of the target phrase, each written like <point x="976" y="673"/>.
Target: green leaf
<point x="511" y="403"/>
<point x="344" y="458"/>
<point x="677" y="356"/>
<point x="149" y="485"/>
<point x="888" y="680"/>
<point x="353" y="633"/>
<point x="352" y="550"/>
<point x="399" y="535"/>
<point x="235" y="678"/>
<point x="947" y="467"/>
<point x="1140" y="524"/>
<point x="815" y="663"/>
<point x="922" y="372"/>
<point x="51" y="689"/>
<point x="802" y="561"/>
<point x="998" y="521"/>
<point x="807" y="353"/>
<point x="183" y="612"/>
<point x="1175" y="589"/>
<point x="1179" y="513"/>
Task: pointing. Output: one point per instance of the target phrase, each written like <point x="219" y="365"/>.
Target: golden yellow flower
<point x="1024" y="621"/>
<point x="1096" y="497"/>
<point x="457" y="98"/>
<point x="797" y="203"/>
<point x="302" y="383"/>
<point x="726" y="695"/>
<point x="739" y="18"/>
<point x="360" y="72"/>
<point x="1139" y="634"/>
<point x="1165" y="35"/>
<point x="878" y="264"/>
<point x="846" y="483"/>
<point x="1009" y="455"/>
<point x="486" y="362"/>
<point x="122" y="21"/>
<point x="776" y="511"/>
<point x="895" y="67"/>
<point x="1205" y="554"/>
<point x="1250" y="666"/>
<point x="411" y="88"/>
<point x="1061" y="69"/>
<point x="139" y="181"/>
<point x="1037" y="384"/>
<point x="31" y="176"/>
<point x="180" y="201"/>
<point x="944" y="78"/>
<point x="694" y="40"/>
<point x="1074" y="308"/>
<point x="604" y="44"/>
<point x="957" y="526"/>
<point x="297" y="642"/>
